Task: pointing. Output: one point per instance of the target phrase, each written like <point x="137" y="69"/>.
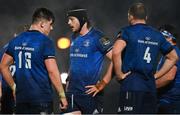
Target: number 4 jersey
<point x="143" y="44"/>
<point x="29" y="51"/>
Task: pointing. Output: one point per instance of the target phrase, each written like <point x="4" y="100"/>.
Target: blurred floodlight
<point x="63" y="43"/>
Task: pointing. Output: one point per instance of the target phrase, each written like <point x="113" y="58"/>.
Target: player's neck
<point x="84" y="30"/>
<point x="137" y="21"/>
<point x="35" y="27"/>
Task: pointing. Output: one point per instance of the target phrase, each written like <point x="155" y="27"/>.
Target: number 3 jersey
<point x="143" y="44"/>
<point x="86" y="57"/>
<point x="29" y="51"/>
<point x="12" y="69"/>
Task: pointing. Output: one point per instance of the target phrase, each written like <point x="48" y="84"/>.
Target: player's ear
<point x="41" y="23"/>
<point x="131" y="17"/>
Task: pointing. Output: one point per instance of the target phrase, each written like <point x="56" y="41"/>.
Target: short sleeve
<point x="10" y="49"/>
<point x="104" y="44"/>
<point x="165" y="47"/>
<point x="122" y="35"/>
<point x="49" y="50"/>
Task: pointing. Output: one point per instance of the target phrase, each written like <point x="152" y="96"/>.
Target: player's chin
<point x="74" y="30"/>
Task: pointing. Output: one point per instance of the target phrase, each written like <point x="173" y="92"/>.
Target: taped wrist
<point x="100" y="85"/>
<point x="13" y="87"/>
<point x="62" y="94"/>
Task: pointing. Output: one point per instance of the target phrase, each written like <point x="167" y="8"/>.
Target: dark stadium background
<point x="107" y="15"/>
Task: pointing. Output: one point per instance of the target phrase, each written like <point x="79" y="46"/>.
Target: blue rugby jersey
<point x="140" y="56"/>
<point x="29" y="51"/>
<point x="86" y="58"/>
<point x="171" y="92"/>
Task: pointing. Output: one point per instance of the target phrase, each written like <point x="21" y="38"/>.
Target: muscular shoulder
<point x="96" y="33"/>
<point x="39" y="37"/>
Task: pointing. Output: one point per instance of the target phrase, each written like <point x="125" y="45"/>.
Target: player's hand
<point x="92" y="89"/>
<point x="14" y="94"/>
<point x="14" y="91"/>
<point x="123" y="75"/>
<point x="63" y="103"/>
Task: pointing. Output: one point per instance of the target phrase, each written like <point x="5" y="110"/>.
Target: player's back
<point x="29" y="51"/>
<point x="140" y="56"/>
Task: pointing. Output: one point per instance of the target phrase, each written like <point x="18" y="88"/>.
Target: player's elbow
<point x="51" y="74"/>
<point x="175" y="57"/>
<point x="171" y="74"/>
<point x="170" y="78"/>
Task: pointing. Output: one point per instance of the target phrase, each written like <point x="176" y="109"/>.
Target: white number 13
<point x="147" y="55"/>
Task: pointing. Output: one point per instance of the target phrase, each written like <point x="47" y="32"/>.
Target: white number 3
<point x="147" y="55"/>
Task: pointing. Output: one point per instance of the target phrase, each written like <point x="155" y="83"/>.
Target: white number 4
<point x="147" y="55"/>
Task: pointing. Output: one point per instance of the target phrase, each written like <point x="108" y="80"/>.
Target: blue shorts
<point x="7" y="101"/>
<point x="136" y="102"/>
<point x="166" y="107"/>
<point x="84" y="103"/>
<point x="34" y="108"/>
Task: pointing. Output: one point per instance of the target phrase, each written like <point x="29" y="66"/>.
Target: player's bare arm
<point x="171" y="59"/>
<point x="54" y="75"/>
<point x="117" y="58"/>
<point x="7" y="60"/>
<point x="167" y="78"/>
<point x="94" y="89"/>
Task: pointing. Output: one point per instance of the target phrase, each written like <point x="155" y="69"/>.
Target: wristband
<point x="100" y="85"/>
<point x="62" y="94"/>
<point x="13" y="87"/>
